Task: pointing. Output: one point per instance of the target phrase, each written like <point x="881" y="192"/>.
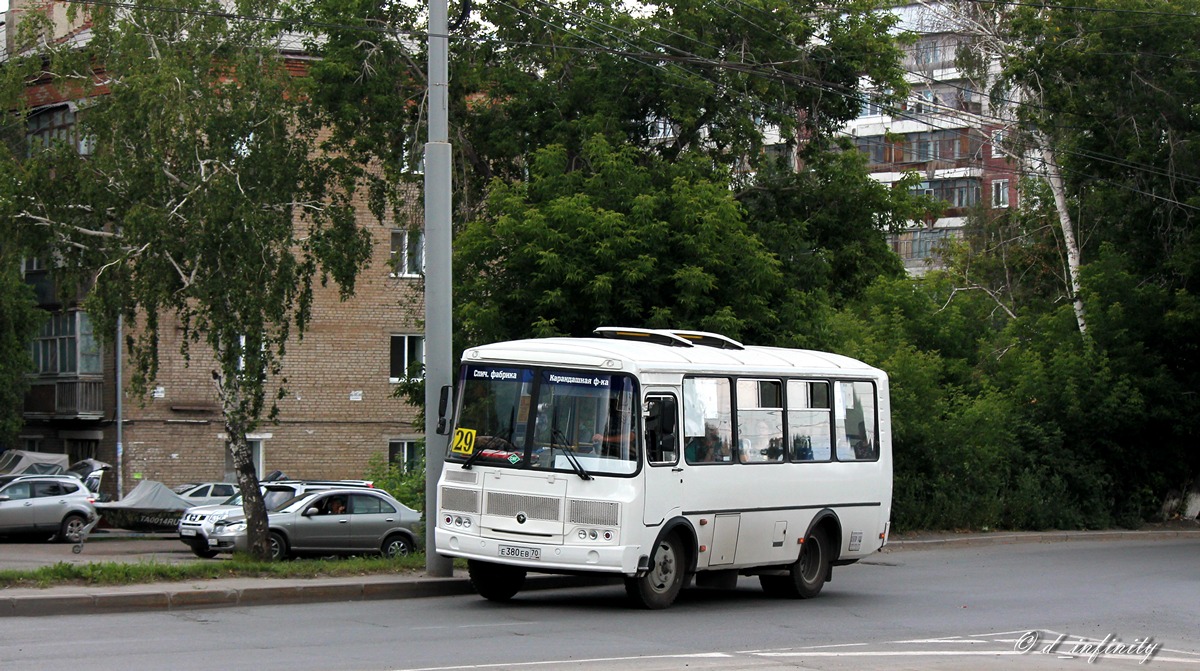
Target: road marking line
<point x="573" y="662"/>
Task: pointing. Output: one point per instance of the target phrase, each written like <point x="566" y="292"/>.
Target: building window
<point x="928" y="52"/>
<point x="957" y="193"/>
<point x="408" y="253"/>
<point x="998" y="144"/>
<point x="80" y="449"/>
<point x="404" y="453"/>
<point x="66" y="345"/>
<point x="661" y="130"/>
<point x="869" y="106"/>
<point x="408" y="358"/>
<point x="1000" y="193"/>
<point x="874" y="147"/>
<point x="32" y="264"/>
<point x="55" y="124"/>
<point x="256" y="457"/>
<point x="919" y="244"/>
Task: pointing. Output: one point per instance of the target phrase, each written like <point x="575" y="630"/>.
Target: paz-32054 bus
<point x="661" y="456"/>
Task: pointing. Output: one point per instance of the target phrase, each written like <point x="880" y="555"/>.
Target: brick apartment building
<point x="339" y="410"/>
<point x="945" y="130"/>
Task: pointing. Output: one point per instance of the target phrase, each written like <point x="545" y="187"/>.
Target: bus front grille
<point x="598" y="513"/>
<point x="461" y="500"/>
<point x="536" y="507"/>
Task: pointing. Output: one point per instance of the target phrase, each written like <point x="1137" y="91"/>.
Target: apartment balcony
<point x="65" y="399"/>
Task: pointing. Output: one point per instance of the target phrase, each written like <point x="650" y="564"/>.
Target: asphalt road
<point x="1021" y="605"/>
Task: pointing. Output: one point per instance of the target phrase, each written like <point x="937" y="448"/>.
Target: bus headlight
<point x="456" y="521"/>
<point x="596" y="535"/>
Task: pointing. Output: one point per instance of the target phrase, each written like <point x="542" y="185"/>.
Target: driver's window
<point x="662" y="442"/>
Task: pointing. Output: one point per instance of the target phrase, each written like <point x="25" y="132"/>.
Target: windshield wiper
<point x="574" y="461"/>
<point x="570" y="455"/>
<point x="477" y="453"/>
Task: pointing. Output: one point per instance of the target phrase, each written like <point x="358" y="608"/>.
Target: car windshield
<point x="274" y="499"/>
<point x="293" y="504"/>
<point x="547" y="419"/>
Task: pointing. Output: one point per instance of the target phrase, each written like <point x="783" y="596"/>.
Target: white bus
<point x="661" y="456"/>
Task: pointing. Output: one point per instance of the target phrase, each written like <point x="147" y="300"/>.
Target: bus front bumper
<point x="539" y="557"/>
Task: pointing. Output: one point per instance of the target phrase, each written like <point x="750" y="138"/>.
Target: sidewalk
<point x="82" y="599"/>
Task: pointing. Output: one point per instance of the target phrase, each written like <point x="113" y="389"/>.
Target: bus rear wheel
<point x="806" y="576"/>
<point x="661" y="584"/>
<point x="495" y="582"/>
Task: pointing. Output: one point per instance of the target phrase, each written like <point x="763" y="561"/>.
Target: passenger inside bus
<point x="703" y="449"/>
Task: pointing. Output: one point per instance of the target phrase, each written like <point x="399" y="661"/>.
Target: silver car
<point x="333" y="521"/>
<point x="58" y="506"/>
<point x="196" y="524"/>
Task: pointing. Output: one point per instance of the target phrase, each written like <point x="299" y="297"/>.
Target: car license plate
<point x="187" y="532"/>
<point x="212" y="541"/>
<point x="517" y="552"/>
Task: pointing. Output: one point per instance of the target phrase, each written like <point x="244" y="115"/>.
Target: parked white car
<point x="58" y="506"/>
<point x="207" y="493"/>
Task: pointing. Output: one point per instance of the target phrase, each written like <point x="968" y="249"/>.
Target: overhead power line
<point x="681" y="57"/>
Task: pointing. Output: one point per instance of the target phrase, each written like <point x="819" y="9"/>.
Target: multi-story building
<point x="945" y="131"/>
<point x="339" y="411"/>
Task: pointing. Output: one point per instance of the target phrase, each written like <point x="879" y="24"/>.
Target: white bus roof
<point x="646" y="350"/>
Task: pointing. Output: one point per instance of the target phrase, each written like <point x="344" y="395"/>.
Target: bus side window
<point x="809" y="420"/>
<point x="857" y="441"/>
<point x="760" y="420"/>
<point x="707" y="420"/>
<point x="662" y="443"/>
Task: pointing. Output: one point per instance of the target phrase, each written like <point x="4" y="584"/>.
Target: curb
<point x="1037" y="537"/>
<point x="189" y="596"/>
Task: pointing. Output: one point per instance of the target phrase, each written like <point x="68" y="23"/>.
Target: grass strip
<point x="239" y="566"/>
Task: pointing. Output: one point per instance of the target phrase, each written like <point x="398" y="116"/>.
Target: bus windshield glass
<point x="546" y="419"/>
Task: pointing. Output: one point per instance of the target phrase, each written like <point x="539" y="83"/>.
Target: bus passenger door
<point x="663" y="477"/>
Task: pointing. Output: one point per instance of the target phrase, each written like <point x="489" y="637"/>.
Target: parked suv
<point x="196" y="524"/>
<point x="56" y="505"/>
<point x="331" y="521"/>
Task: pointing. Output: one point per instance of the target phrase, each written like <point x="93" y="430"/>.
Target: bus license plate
<point x="517" y="552"/>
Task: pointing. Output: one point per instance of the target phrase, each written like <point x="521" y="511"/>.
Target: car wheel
<point x="495" y="582"/>
<point x="397" y="545"/>
<point x="662" y="583"/>
<point x="277" y="546"/>
<point x="203" y="551"/>
<point x="71" y="528"/>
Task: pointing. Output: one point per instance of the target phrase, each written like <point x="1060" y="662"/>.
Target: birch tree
<point x="990" y="55"/>
<point x="200" y="200"/>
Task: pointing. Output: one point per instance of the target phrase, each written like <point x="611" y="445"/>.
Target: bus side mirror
<point x="443" y="425"/>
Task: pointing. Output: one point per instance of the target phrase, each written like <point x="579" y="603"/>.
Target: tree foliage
<point x="205" y="200"/>
<point x="19" y="322"/>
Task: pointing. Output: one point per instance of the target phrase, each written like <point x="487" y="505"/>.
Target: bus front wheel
<point x="495" y="582"/>
<point x="661" y="584"/>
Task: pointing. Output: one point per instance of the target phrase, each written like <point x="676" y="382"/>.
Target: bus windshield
<point x="546" y="419"/>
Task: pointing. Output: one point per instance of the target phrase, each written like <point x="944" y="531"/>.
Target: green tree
<point x="613" y="243"/>
<point x="1112" y="99"/>
<point x="19" y="322"/>
<point x="206" y="201"/>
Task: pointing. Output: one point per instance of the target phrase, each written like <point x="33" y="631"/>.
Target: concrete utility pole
<point x="437" y="272"/>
